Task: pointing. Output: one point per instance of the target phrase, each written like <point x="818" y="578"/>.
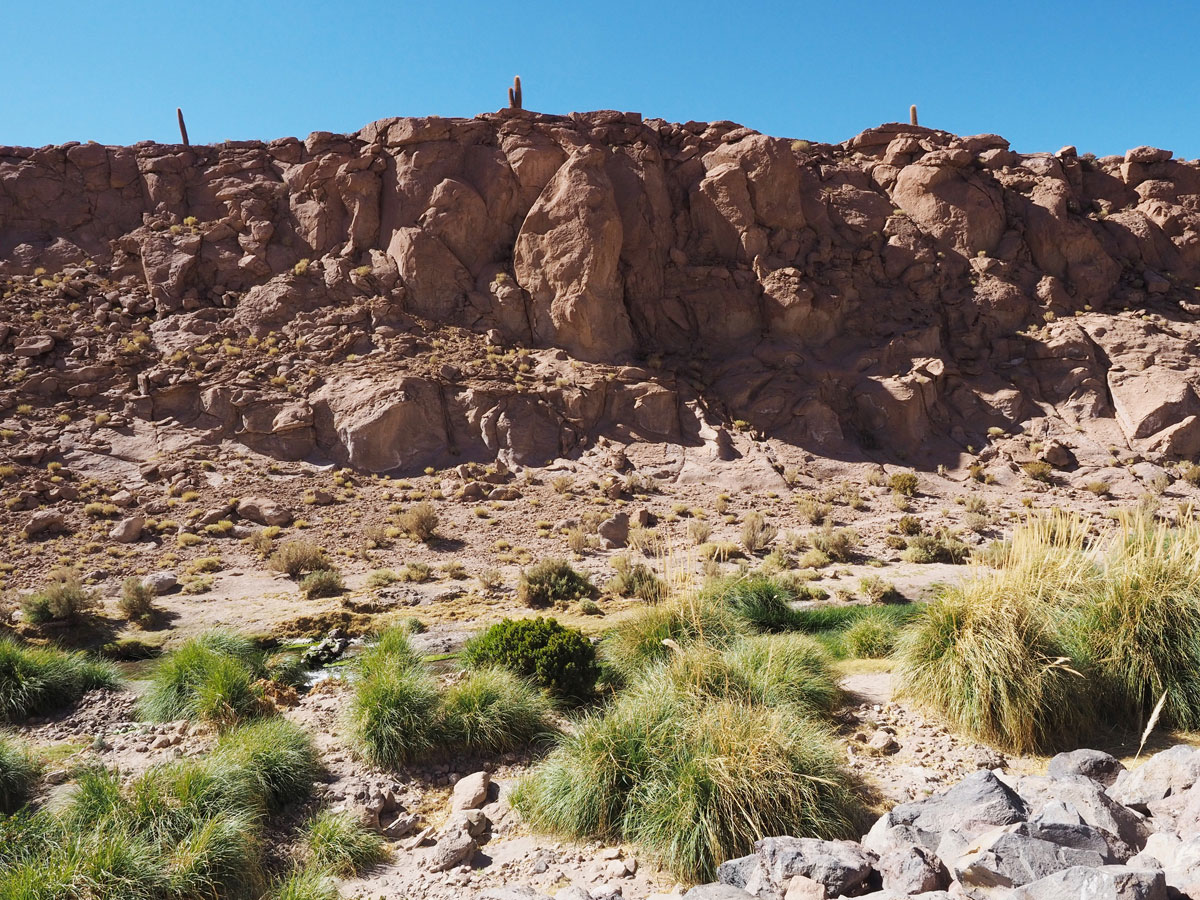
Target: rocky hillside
<point x="429" y="291"/>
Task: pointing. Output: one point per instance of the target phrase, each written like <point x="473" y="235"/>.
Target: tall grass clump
<point x="19" y="771"/>
<point x="186" y="831"/>
<point x="394" y="710"/>
<point x="306" y="884"/>
<point x="994" y="655"/>
<point x="34" y="680"/>
<point x="493" y="711"/>
<point x="210" y="678"/>
<point x="684" y="620"/>
<point x="1141" y="625"/>
<point x="764" y="603"/>
<point x="338" y="844"/>
<point x="694" y="780"/>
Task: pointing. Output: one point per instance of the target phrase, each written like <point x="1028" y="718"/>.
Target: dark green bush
<point x="553" y="656"/>
<point x="211" y="677"/>
<point x="550" y="582"/>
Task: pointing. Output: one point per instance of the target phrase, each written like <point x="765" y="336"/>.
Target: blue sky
<point x="1101" y="75"/>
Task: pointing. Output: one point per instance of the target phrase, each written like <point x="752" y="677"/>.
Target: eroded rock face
<point x="874" y="293"/>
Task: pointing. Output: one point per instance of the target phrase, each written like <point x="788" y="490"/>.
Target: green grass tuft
<point x="34" y="680"/>
<point x="210" y="678"/>
<point x="493" y="711"/>
<point x="19" y="771"/>
<point x="338" y="844"/>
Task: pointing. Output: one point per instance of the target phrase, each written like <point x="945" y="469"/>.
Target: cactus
<point x="912" y="114"/>
<point x="182" y="127"/>
<point x="514" y="93"/>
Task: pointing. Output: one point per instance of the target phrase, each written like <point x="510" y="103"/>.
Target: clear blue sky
<point x="1102" y="75"/>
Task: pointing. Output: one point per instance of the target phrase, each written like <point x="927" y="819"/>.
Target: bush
<point x="838" y="544"/>
<point x="757" y="535"/>
<point x="492" y="711"/>
<point x="137" y="600"/>
<point x="693" y="781"/>
<point x="36" y="680"/>
<point x="295" y="558"/>
<point x="930" y="548"/>
<point x="19" y="772"/>
<point x="764" y="603"/>
<point x="420" y="522"/>
<point x="325" y="583"/>
<point x="904" y="483"/>
<point x="552" y="581"/>
<point x="338" y="844"/>
<point x="637" y="642"/>
<point x="63" y="598"/>
<point x="558" y="658"/>
<point x="210" y="678"/>
<point x="636" y="580"/>
<point x="1038" y="470"/>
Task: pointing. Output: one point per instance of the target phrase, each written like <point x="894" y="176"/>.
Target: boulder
<point x="1094" y="764"/>
<point x="1006" y="858"/>
<point x="912" y="871"/>
<point x="453" y="848"/>
<point x="717" y="892"/>
<point x="977" y="803"/>
<point x="263" y="511"/>
<point x="843" y="867"/>
<point x="1101" y="883"/>
<point x="1170" y="772"/>
<point x="161" y="582"/>
<point x="44" y="521"/>
<point x="470" y="791"/>
<point x="128" y="529"/>
<point x="614" y="531"/>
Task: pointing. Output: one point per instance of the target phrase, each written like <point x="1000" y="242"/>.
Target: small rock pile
<point x="1088" y="828"/>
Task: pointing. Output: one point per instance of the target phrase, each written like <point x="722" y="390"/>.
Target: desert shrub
<point x="904" y="483"/>
<point x="813" y="510"/>
<point x="19" y="772"/>
<point x="558" y="658"/>
<point x="909" y="525"/>
<point x="942" y="547"/>
<point x="693" y="780"/>
<point x="394" y="709"/>
<point x="757" y="534"/>
<point x="764" y="603"/>
<point x="637" y="642"/>
<point x="636" y="580"/>
<point x="1038" y="470"/>
<point x="838" y="544"/>
<point x="552" y="581"/>
<point x="34" y="680"/>
<point x="871" y="637"/>
<point x="295" y="558"/>
<point x="210" y="678"/>
<point x="492" y="711"/>
<point x="698" y="531"/>
<point x="420" y="521"/>
<point x="338" y="844"/>
<point x="325" y="583"/>
<point x="877" y="590"/>
<point x="137" y="600"/>
<point x="63" y="597"/>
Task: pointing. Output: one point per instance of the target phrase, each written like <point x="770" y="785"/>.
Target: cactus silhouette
<point x="514" y="93"/>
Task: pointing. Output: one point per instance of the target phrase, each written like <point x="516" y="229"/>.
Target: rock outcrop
<point x="996" y="836"/>
<point x="372" y="298"/>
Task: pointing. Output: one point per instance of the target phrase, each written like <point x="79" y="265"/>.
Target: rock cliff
<point x="431" y="290"/>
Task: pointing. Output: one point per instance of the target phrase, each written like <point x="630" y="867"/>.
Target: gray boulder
<point x="1093" y="804"/>
<point x="843" y="867"/>
<point x="1006" y="858"/>
<point x="263" y="511"/>
<point x="161" y="582"/>
<point x="912" y="871"/>
<point x="1164" y="774"/>
<point x="1094" y="764"/>
<point x="977" y="803"/>
<point x="1061" y="823"/>
<point x="1102" y="883"/>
